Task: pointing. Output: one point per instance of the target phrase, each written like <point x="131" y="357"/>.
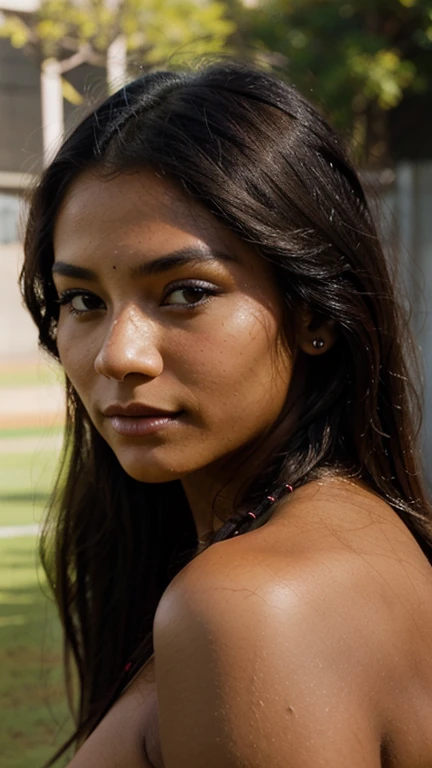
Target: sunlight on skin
<point x="151" y="338"/>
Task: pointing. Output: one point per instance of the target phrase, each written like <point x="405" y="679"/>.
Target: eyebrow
<point x="178" y="258"/>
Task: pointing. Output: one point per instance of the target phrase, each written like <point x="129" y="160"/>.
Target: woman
<point x="201" y="259"/>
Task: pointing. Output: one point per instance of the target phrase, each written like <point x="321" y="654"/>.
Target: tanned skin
<point x="306" y="643"/>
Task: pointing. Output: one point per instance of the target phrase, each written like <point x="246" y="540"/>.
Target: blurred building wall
<point x="20" y="111"/>
<point x="21" y="125"/>
<point x="411" y="203"/>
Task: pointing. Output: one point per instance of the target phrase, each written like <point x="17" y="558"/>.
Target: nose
<point x="130" y="346"/>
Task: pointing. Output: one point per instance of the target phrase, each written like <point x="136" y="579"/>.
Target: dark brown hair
<point x="264" y="161"/>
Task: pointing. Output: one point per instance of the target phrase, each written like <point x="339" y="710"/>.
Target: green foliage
<point x="154" y="29"/>
<point x="182" y="26"/>
<point x="384" y="75"/>
<point x="358" y="58"/>
<point x="15" y="29"/>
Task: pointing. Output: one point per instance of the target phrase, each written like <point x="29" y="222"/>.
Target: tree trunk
<point x="116" y="64"/>
<point x="52" y="108"/>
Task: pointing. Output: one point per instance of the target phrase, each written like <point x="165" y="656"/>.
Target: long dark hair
<point x="265" y="162"/>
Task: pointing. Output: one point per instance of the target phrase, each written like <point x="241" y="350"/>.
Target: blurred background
<point x="367" y="65"/>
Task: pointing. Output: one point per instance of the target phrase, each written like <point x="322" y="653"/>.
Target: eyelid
<point x="69" y="293"/>
<point x="208" y="289"/>
<point x="190" y="283"/>
<point x="66" y="297"/>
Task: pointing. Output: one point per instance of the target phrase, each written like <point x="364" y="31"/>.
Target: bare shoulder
<point x="287" y="629"/>
<point x="308" y="614"/>
<point x="247" y="672"/>
<point x="328" y="548"/>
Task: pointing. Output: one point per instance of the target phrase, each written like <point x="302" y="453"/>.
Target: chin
<point x="160" y="466"/>
<point x="146" y="471"/>
<point x="165" y="463"/>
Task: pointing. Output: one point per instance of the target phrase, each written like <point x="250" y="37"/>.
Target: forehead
<point x="132" y="205"/>
<point x="138" y="217"/>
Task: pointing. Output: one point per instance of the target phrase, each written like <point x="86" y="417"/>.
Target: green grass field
<point x="25" y="480"/>
<point x="45" y="372"/>
<point x="26" y="473"/>
<point x="33" y="712"/>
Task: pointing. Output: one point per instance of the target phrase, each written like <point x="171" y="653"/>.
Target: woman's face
<point x="169" y="325"/>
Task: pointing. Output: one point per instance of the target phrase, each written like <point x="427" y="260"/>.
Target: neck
<point x="212" y="490"/>
<point x="211" y="497"/>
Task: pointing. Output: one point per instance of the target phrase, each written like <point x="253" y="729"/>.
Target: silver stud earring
<point x="318" y="343"/>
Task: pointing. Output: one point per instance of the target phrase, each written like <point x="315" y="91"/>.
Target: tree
<point x="62" y="34"/>
<point x="358" y="58"/>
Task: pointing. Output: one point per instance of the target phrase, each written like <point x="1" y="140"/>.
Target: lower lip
<point x="137" y="426"/>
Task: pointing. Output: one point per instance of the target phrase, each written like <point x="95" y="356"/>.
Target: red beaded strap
<point x="271" y="498"/>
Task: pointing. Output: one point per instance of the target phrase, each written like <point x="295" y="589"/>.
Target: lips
<point x="137" y="410"/>
<point x="139" y="420"/>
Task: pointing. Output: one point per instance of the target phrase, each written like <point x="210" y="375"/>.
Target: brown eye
<point x="189" y="295"/>
<point x="85" y="302"/>
<point x="186" y="296"/>
<point x="80" y="302"/>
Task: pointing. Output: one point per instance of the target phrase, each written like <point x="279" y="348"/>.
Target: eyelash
<point x="66" y="296"/>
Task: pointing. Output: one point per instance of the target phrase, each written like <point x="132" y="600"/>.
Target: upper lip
<point x="136" y="409"/>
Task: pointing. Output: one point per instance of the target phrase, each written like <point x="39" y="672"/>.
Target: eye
<point x="80" y="302"/>
<point x="189" y="294"/>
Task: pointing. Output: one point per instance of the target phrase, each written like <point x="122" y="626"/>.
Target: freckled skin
<point x="216" y="362"/>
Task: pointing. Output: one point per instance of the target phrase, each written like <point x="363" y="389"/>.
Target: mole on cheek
<point x="114" y="266"/>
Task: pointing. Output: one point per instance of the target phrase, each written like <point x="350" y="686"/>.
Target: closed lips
<point x="136" y="410"/>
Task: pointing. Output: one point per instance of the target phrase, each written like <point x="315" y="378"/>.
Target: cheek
<point x="76" y="357"/>
<point x="239" y="363"/>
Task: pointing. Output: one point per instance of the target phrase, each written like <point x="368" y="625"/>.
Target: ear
<point x="315" y="333"/>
